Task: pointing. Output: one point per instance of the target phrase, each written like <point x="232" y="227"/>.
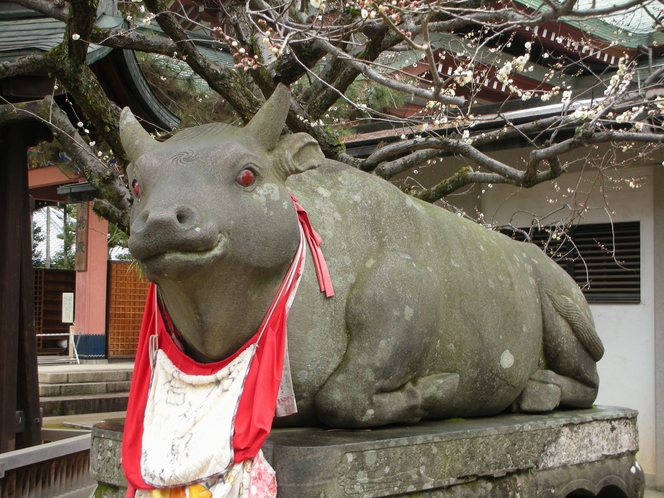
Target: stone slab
<point x="52" y="377"/>
<point x="74" y="405"/>
<point x="547" y="456"/>
<point x="118" y="387"/>
<point x="80" y="374"/>
<point x="99" y="376"/>
<point x="74" y="389"/>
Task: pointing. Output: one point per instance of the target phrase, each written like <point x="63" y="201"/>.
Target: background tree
<point x="357" y="61"/>
<point x="37" y="238"/>
<point x="60" y="223"/>
<point x="64" y="258"/>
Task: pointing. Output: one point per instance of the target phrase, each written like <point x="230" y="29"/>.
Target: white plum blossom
<point x="520" y="62"/>
<point x="504" y="72"/>
<point x="462" y="76"/>
<point x="584" y="113"/>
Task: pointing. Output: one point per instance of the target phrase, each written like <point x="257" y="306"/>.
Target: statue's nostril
<point x="185" y="215"/>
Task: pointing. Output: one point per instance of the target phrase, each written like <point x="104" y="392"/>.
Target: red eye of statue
<point x="245" y="178"/>
<point x="137" y="189"/>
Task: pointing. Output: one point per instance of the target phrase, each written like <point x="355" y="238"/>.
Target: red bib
<point x="258" y="400"/>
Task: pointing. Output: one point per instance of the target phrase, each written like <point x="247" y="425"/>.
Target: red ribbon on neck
<point x="314" y="240"/>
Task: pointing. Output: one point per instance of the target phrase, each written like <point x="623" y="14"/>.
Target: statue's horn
<point x="135" y="140"/>
<point x="266" y="126"/>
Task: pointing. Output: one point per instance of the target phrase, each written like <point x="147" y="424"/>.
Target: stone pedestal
<point x="544" y="456"/>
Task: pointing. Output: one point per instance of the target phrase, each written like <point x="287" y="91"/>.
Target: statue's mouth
<point x="169" y="264"/>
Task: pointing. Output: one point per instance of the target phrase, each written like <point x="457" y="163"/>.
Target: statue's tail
<point x="583" y="328"/>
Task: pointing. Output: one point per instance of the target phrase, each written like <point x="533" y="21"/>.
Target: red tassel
<point x="314" y="240"/>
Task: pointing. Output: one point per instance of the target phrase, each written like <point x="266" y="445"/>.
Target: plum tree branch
<point x="56" y="10"/>
<point x="224" y="81"/>
<point x="390" y="83"/>
<point x="102" y="176"/>
<point x="25" y="65"/>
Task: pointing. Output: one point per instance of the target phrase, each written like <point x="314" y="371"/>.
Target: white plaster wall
<point x="627" y="371"/>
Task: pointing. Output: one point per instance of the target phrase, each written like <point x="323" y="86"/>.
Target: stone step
<point x="54" y="406"/>
<point x="85" y="492"/>
<point x="78" y="388"/>
<point x="83" y="376"/>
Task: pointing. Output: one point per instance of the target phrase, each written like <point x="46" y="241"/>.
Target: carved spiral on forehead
<point x="184" y="157"/>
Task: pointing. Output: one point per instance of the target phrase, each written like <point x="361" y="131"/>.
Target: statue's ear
<point x="297" y="153"/>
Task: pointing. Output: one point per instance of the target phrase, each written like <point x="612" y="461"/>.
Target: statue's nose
<point x="164" y="229"/>
<point x="164" y="218"/>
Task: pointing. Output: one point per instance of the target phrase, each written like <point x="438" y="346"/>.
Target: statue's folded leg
<point x="546" y="390"/>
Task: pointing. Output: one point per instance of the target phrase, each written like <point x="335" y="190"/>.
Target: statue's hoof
<point x="437" y="389"/>
<point x="538" y="397"/>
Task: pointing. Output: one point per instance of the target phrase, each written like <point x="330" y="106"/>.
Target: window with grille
<point x="603" y="259"/>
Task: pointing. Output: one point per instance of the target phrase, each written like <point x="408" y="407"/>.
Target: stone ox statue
<point x="433" y="316"/>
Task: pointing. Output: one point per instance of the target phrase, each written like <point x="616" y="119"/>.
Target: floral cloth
<point x="197" y="412"/>
<point x="253" y="478"/>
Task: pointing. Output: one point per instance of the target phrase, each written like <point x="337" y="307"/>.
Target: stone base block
<point x="563" y="453"/>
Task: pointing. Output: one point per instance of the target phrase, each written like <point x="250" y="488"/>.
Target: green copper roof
<point x="629" y="29"/>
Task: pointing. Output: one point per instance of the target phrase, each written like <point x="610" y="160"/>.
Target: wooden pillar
<point x="91" y="269"/>
<point x="19" y="389"/>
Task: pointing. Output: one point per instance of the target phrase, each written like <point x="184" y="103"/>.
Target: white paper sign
<point x="67" y="307"/>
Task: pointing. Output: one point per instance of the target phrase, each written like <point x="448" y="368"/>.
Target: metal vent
<point x="603" y="259"/>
